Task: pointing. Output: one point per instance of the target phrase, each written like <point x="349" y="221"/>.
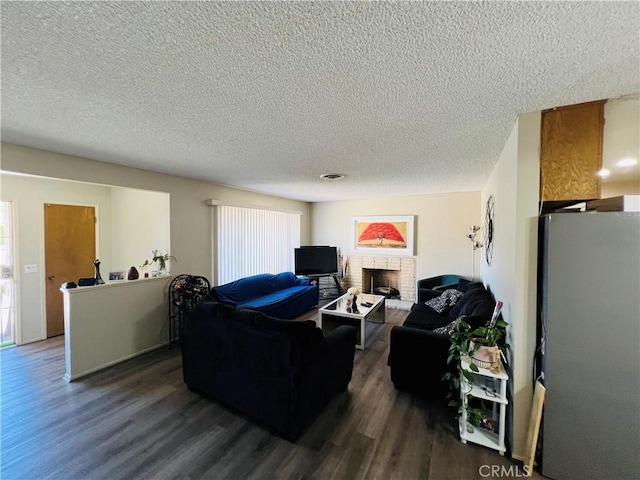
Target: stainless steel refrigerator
<point x="589" y="338"/>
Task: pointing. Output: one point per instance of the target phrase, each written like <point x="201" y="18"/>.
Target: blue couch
<point x="283" y="295"/>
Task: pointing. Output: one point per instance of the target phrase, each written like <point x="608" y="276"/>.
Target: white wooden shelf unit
<point x="490" y="387"/>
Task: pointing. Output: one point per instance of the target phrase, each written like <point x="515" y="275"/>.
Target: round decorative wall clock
<point x="488" y="230"/>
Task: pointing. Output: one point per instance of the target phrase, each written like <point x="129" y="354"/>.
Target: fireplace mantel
<point x="406" y="266"/>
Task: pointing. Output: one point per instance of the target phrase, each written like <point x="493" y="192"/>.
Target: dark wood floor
<point x="138" y="420"/>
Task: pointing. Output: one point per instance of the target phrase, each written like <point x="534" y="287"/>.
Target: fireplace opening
<point x="381" y="282"/>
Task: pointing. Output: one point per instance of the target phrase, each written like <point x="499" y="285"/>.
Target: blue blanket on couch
<point x="283" y="295"/>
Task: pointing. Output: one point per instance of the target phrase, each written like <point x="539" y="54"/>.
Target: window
<point x="252" y="241"/>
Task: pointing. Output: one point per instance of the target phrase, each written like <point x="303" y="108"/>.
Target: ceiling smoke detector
<point x="331" y="177"/>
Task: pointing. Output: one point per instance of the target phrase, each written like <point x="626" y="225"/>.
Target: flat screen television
<point x="316" y="260"/>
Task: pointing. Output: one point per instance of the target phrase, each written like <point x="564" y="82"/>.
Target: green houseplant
<point x="467" y="341"/>
<point x="160" y="261"/>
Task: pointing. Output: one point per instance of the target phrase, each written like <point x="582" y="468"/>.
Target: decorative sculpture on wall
<point x="488" y="230"/>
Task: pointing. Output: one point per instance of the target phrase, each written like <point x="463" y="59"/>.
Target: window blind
<point x="252" y="241"/>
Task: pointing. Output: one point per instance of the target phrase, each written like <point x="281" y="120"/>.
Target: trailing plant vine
<point x="465" y="341"/>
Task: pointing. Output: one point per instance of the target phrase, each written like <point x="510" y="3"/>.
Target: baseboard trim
<point x="70" y="378"/>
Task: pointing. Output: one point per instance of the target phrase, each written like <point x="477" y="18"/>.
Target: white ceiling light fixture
<point x="332" y="177"/>
<point x="627" y="162"/>
<point x="603" y="173"/>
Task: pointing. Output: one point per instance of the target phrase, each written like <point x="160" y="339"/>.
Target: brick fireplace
<point x="397" y="272"/>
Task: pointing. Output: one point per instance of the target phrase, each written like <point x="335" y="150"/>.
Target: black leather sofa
<point x="280" y="372"/>
<point x="418" y="355"/>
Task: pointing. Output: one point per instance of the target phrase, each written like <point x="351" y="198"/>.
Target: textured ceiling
<point x="402" y="98"/>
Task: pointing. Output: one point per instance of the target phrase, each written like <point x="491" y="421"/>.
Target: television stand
<point x="315" y="279"/>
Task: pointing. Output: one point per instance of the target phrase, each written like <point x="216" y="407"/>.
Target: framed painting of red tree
<point x="390" y="235"/>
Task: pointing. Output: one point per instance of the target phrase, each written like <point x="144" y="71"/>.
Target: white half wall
<point x="107" y="324"/>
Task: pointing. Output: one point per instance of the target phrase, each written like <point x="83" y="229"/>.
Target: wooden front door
<point x="69" y="250"/>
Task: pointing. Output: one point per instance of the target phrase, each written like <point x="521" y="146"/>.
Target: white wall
<point x="129" y="224"/>
<point x="441" y="223"/>
<point x="621" y="139"/>
<point x="190" y="216"/>
<point x="29" y="195"/>
<point x="511" y="277"/>
<point x="140" y="223"/>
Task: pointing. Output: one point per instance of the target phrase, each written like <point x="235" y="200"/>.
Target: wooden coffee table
<point x="336" y="313"/>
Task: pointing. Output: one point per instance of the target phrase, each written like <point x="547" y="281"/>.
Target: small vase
<point x="162" y="268"/>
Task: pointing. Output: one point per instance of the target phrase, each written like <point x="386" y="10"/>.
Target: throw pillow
<point x="449" y="329"/>
<point x="445" y="301"/>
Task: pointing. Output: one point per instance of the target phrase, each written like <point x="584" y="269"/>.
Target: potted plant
<point x="484" y="342"/>
<point x="467" y="341"/>
<point x="475" y="415"/>
<point x="484" y="348"/>
<point x="160" y="261"/>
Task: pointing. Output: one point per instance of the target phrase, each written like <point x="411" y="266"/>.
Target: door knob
<point x="51" y="277"/>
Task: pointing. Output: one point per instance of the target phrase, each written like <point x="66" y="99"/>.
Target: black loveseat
<point x="418" y="354"/>
<point x="280" y="372"/>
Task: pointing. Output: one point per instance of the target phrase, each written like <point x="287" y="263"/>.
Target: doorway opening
<point x="7" y="282"/>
